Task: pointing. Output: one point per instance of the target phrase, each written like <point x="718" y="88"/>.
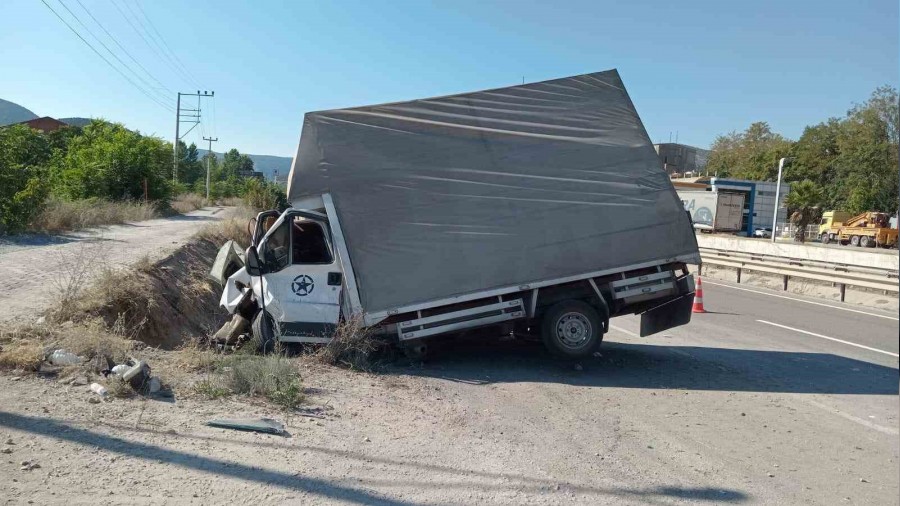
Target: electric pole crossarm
<point x="195" y="120"/>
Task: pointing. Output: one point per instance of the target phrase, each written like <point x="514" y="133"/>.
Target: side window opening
<point x="309" y="244"/>
<point x="276" y="249"/>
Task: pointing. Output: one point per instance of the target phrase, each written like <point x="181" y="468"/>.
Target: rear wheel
<point x="263" y="329"/>
<point x="415" y="351"/>
<point x="866" y="242"/>
<point x="854" y="241"/>
<point x="572" y="329"/>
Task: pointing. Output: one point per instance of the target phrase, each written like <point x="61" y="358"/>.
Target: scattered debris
<point x="265" y="425"/>
<point x="138" y="375"/>
<point x="231" y="331"/>
<point x="64" y="357"/>
<point x="771" y="475"/>
<point x="6" y="450"/>
<point x="93" y="400"/>
<point x="119" y="369"/>
<point x="367" y="440"/>
<point x="99" y="389"/>
<point x="27" y="465"/>
<point x="863" y="480"/>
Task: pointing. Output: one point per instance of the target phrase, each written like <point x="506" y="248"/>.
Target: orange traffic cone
<point x="698" y="298"/>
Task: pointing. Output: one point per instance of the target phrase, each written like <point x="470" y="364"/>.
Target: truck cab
<point x="831" y="219"/>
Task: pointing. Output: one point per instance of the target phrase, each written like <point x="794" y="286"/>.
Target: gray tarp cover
<point x="453" y="195"/>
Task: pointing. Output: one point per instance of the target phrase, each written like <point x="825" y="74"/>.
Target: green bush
<point x="24" y="155"/>
<point x="259" y="194"/>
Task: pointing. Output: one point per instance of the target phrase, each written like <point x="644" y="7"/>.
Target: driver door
<point x="303" y="277"/>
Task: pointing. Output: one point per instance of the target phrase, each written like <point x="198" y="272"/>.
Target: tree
<point x="804" y="202"/>
<point x="751" y="154"/>
<point x="189" y="167"/>
<point x="24" y="154"/>
<point x="111" y="162"/>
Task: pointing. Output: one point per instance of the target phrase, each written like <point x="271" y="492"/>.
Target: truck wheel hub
<point x="573" y="329"/>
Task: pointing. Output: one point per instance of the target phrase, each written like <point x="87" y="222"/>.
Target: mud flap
<point x="229" y="259"/>
<point x="667" y="315"/>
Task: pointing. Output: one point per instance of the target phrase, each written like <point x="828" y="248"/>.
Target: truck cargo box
<point x="454" y="195"/>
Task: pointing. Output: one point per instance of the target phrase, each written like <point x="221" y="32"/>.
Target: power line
<point x="146" y="83"/>
<point x="123" y="48"/>
<point x="163" y="55"/>
<point x="151" y="97"/>
<point x="141" y="35"/>
<point x="163" y="40"/>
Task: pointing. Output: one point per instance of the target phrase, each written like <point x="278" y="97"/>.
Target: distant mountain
<point x="267" y="164"/>
<point x="14" y="113"/>
<point x="78" y="122"/>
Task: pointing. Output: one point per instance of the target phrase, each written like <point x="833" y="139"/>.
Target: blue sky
<point x="700" y="68"/>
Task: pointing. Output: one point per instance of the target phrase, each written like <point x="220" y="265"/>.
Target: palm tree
<point x="804" y="202"/>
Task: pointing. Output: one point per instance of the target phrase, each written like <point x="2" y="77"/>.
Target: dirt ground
<point x="487" y="423"/>
<point x="32" y="267"/>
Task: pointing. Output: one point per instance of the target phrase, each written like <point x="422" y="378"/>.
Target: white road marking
<point x="880" y="428"/>
<point x="829" y="338"/>
<point x="626" y="332"/>
<point x="801" y="300"/>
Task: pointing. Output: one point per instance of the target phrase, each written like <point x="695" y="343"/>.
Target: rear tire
<point x="866" y="242"/>
<point x="416" y="352"/>
<point x="263" y="330"/>
<point x="854" y="241"/>
<point x="571" y="329"/>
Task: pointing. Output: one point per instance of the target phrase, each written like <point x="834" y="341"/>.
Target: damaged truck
<point x="540" y="209"/>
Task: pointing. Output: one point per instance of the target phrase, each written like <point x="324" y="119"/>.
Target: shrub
<point x="263" y="195"/>
<point x="24" y="155"/>
<point x="351" y="345"/>
<point x="274" y="377"/>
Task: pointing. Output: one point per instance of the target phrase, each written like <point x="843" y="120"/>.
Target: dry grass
<point x="26" y="346"/>
<point x="66" y="215"/>
<point x="351" y="345"/>
<point x="187" y="202"/>
<point x="160" y="303"/>
<point x="232" y="228"/>
<point x="21" y="355"/>
<point x="230" y="201"/>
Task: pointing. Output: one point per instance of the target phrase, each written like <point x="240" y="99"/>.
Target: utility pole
<point x="209" y="154"/>
<point x="777" y="196"/>
<point x="193" y="117"/>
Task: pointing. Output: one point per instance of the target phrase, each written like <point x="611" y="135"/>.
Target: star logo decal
<point x="303" y="285"/>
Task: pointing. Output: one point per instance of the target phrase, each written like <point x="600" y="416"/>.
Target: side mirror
<point x="252" y="262"/>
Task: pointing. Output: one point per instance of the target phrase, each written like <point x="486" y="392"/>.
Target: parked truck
<point x="831" y="219"/>
<point x="868" y="230"/>
<point x="539" y="209"/>
<point x="714" y="211"/>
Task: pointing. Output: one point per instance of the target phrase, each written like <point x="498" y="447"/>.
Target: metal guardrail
<point x="840" y="275"/>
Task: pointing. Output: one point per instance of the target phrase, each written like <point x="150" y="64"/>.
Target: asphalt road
<point x="767" y="398"/>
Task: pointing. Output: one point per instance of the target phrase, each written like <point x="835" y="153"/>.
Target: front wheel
<point x="263" y="330"/>
<point x="825" y="238"/>
<point x="572" y="329"/>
